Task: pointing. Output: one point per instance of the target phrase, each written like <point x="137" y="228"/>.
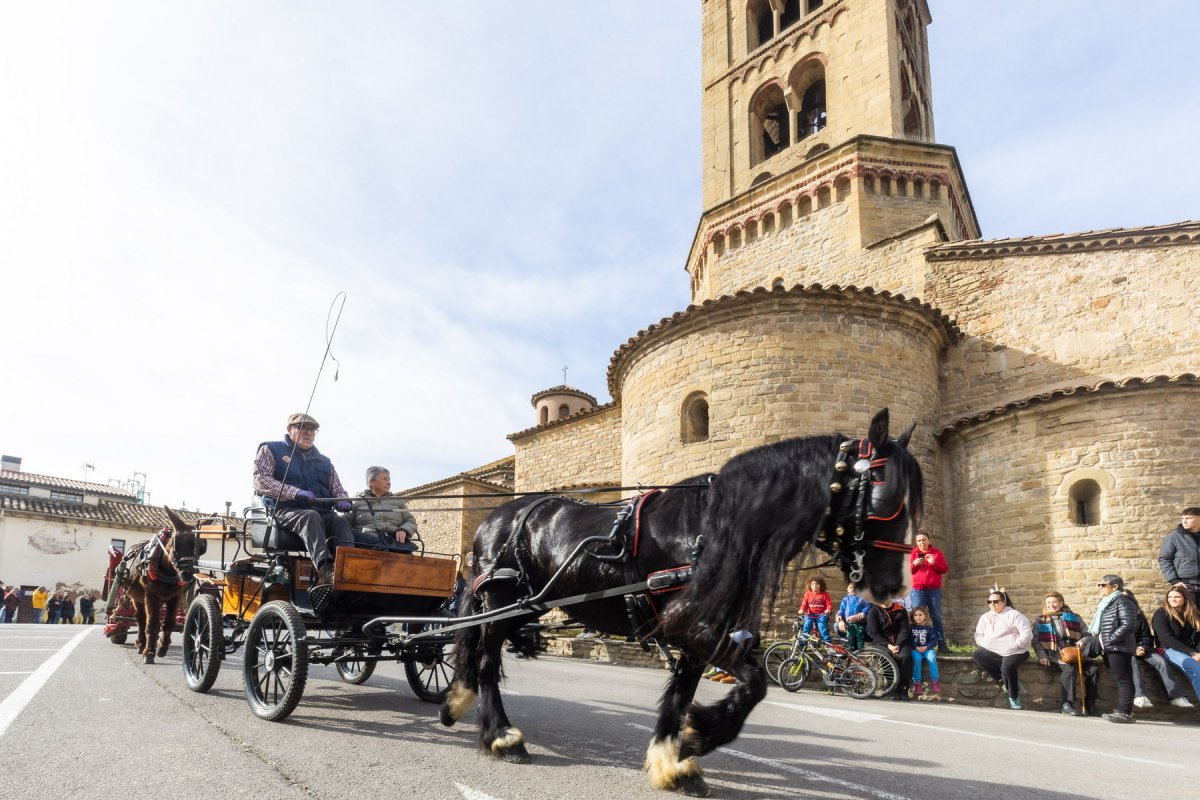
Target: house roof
<point x="561" y="389"/>
<point x="1175" y="233"/>
<point x="124" y="515"/>
<point x="51" y="482"/>
<point x="1103" y="387"/>
<point x="587" y="412"/>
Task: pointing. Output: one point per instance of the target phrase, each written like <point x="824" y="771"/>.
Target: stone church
<point x="837" y="268"/>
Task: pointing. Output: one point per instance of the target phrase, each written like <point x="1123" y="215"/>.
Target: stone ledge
<point x="962" y="683"/>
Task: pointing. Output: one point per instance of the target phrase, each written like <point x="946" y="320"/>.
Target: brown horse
<point x="160" y="573"/>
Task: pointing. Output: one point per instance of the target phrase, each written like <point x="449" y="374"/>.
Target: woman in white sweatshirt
<point x="1002" y="640"/>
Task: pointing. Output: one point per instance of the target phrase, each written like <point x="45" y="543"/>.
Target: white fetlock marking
<point x="459" y="700"/>
<point x="664" y="767"/>
<point x="511" y="738"/>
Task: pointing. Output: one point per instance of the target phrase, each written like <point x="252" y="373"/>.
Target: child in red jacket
<point x="816" y="607"/>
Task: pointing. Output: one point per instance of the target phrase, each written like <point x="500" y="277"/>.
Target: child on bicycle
<point x="851" y="618"/>
<point x="816" y="607"/>
<point x="924" y="646"/>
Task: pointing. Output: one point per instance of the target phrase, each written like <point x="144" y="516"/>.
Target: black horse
<point x="857" y="499"/>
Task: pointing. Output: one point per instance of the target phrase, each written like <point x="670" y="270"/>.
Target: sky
<point x="500" y="189"/>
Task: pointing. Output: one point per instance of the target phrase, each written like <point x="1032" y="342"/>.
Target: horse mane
<point x="761" y="510"/>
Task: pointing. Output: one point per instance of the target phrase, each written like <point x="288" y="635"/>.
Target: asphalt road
<point x="83" y="718"/>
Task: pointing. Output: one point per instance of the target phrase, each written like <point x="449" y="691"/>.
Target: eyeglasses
<point x="303" y="429"/>
<point x="1102" y="584"/>
<point x="995" y="602"/>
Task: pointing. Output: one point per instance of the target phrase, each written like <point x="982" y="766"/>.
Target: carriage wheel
<point x="857" y="681"/>
<point x="430" y="671"/>
<point x="276" y="664"/>
<point x="793" y="673"/>
<point x="353" y="670"/>
<point x="203" y="643"/>
<point x="887" y="671"/>
<point x="774" y="657"/>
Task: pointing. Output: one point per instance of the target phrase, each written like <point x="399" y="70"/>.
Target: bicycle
<point x="887" y="671"/>
<point x="840" y="669"/>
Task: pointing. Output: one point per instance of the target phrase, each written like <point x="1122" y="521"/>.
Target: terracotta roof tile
<point x="561" y="389"/>
<point x="1176" y="233"/>
<point x="126" y="515"/>
<point x="587" y="412"/>
<point x="16" y="476"/>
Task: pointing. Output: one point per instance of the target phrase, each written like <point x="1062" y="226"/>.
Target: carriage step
<point x="320" y="597"/>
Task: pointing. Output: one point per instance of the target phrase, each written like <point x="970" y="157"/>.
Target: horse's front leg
<point x="664" y="764"/>
<point x="496" y="733"/>
<point x="709" y="727"/>
<point x="168" y="623"/>
<point x="154" y="616"/>
<point x="139" y="610"/>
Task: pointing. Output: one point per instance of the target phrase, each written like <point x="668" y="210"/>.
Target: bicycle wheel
<point x="774" y="657"/>
<point x="857" y="681"/>
<point x="793" y="673"/>
<point x="887" y="671"/>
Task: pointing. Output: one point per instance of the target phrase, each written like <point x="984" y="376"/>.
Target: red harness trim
<point x="637" y="516"/>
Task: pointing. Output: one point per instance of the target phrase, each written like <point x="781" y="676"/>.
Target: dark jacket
<point x="1179" y="556"/>
<point x="1174" y="636"/>
<point x="1118" y="626"/>
<point x="305" y="469"/>
<point x="888" y="626"/>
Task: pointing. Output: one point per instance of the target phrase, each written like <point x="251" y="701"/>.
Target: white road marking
<point x="28" y="649"/>
<point x="12" y="706"/>
<point x="848" y="716"/>
<point x="1037" y="744"/>
<point x="472" y="794"/>
<point x="26" y="672"/>
<point x="859" y="788"/>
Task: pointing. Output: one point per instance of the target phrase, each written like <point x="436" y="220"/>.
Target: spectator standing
<point x="1056" y="628"/>
<point x="40" y="595"/>
<point x="1179" y="556"/>
<point x="12" y="599"/>
<point x="87" y="609"/>
<point x="1115" y="624"/>
<point x="852" y="616"/>
<point x="67" y="614"/>
<point x="1148" y="652"/>
<point x="54" y="607"/>
<point x="1177" y="626"/>
<point x="1002" y="638"/>
<point x="887" y="627"/>
<point x="928" y="566"/>
<point x="816" y="607"/>
<point x="924" y="650"/>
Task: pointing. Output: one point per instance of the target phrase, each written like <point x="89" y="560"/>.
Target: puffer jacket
<point x="1118" y="626"/>
<point x="1179" y="556"/>
<point x="386" y="514"/>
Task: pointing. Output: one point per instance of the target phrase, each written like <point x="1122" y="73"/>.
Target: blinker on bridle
<point x="848" y="551"/>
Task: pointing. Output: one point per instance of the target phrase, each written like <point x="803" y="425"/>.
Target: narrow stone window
<point x="694" y="422"/>
<point x="760" y="23"/>
<point x="770" y="122"/>
<point x="544" y="416"/>
<point x="564" y="411"/>
<point x="791" y="14"/>
<point x="812" y="109"/>
<point x="813" y="5"/>
<point x="1085" y="502"/>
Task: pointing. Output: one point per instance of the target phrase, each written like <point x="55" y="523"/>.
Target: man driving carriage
<point x="290" y="476"/>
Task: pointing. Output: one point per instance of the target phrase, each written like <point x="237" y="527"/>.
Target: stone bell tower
<point x="818" y="146"/>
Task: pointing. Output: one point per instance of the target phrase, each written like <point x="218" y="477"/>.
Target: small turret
<point x="560" y="402"/>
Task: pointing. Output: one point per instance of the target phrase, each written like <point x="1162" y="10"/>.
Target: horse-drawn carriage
<point x="257" y="594"/>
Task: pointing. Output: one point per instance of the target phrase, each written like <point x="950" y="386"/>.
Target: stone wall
<point x="1065" y="319"/>
<point x="448" y="525"/>
<point x="1010" y="507"/>
<point x="581" y="451"/>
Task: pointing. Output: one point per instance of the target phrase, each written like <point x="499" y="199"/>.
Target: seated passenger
<point x="289" y="476"/>
<point x="381" y="518"/>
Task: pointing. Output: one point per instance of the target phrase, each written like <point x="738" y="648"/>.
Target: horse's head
<point x="183" y="545"/>
<point x="877" y="508"/>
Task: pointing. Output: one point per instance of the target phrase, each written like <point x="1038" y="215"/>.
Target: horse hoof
<point x="516" y="756"/>
<point x="692" y="786"/>
<point x="446" y="717"/>
<point x="149" y="658"/>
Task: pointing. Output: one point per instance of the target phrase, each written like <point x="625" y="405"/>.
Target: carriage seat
<point x="265" y="534"/>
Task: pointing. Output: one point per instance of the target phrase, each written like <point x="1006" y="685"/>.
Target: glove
<point x="343" y="505"/>
<point x="305" y="495"/>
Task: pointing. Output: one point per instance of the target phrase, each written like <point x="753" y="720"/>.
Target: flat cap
<point x="303" y="420"/>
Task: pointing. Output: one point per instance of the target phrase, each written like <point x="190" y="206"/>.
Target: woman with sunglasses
<point x="1115" y="623"/>
<point x="1002" y="639"/>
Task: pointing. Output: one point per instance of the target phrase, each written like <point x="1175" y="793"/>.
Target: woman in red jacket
<point x="928" y="566"/>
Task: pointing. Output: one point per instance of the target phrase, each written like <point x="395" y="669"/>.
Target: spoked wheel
<point x="887" y="671"/>
<point x="276" y="663"/>
<point x="793" y="673"/>
<point x="773" y="658"/>
<point x="857" y="681"/>
<point x="354" y="669"/>
<point x="203" y="643"/>
<point x="430" y="671"/>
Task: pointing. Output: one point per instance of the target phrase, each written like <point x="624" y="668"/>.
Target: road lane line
<point x="820" y="711"/>
<point x="861" y="789"/>
<point x="29" y="649"/>
<point x="472" y="794"/>
<point x="1034" y="743"/>
<point x="26" y="672"/>
<point x="12" y="706"/>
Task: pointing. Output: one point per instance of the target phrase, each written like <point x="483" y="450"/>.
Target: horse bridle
<point x="843" y="536"/>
